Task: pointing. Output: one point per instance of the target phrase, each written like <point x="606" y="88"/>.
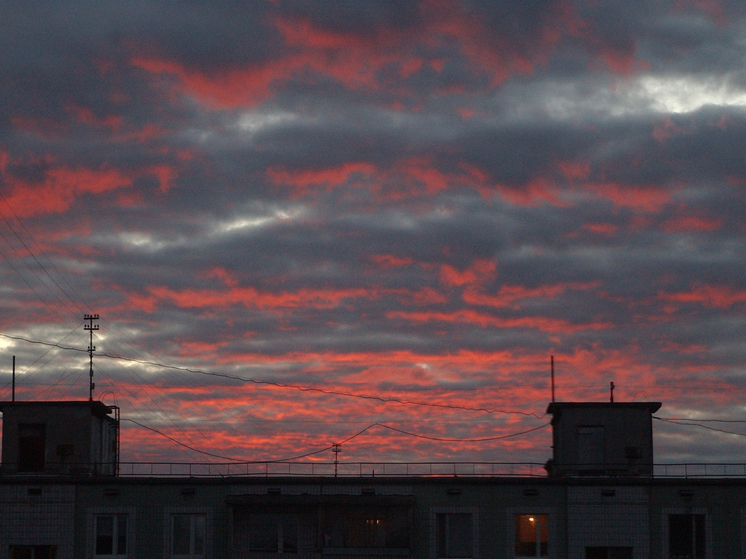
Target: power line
<point x="692" y="424"/>
<point x="383" y="399"/>
<point x="441" y="439"/>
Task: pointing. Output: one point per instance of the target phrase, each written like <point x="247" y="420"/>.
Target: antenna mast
<point x="91" y="348"/>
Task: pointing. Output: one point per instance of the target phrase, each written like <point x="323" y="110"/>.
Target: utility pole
<point x="336" y="449"/>
<point x="91" y="348"/>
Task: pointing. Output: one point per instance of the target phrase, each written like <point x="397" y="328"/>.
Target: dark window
<point x="367" y="527"/>
<point x="33" y="552"/>
<point x="111" y="535"/>
<point x="531" y="535"/>
<point x="608" y="553"/>
<point x="591" y="445"/>
<point x="686" y="536"/>
<point x="31" y="447"/>
<point x="188" y="535"/>
<point x="276" y="533"/>
<point x="454" y="535"/>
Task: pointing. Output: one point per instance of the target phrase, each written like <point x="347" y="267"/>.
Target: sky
<point x="372" y="223"/>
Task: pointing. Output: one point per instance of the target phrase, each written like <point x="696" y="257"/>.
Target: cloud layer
<point x="412" y="201"/>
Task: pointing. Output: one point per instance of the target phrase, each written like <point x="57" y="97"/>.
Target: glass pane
<point x="122" y="534"/>
<point x="591" y="445"/>
<point x="104" y="535"/>
<point x="459" y="535"/>
<point x="263" y="532"/>
<point x="180" y="544"/>
<point x="199" y="534"/>
<point x="686" y="536"/>
<point x="290" y="534"/>
<point x="442" y="533"/>
<point x="699" y="532"/>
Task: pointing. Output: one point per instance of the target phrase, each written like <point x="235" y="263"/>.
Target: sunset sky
<point x="298" y="219"/>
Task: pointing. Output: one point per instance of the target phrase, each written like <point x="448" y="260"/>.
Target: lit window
<point x="531" y="535"/>
<point x="188" y="535"/>
<point x="111" y="535"/>
<point x="454" y="535"/>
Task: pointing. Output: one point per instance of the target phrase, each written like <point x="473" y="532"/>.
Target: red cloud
<point x="512" y="295"/>
<point x="721" y="296"/>
<point x="481" y="271"/>
<point x="691" y="223"/>
<point x="61" y="186"/>
<point x="488" y="321"/>
<point x="650" y="198"/>
<point x="391" y="261"/>
<point x="253" y="298"/>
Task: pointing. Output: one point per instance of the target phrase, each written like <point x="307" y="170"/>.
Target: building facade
<point x="599" y="502"/>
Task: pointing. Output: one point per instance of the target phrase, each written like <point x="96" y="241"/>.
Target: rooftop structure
<point x="70" y="437"/>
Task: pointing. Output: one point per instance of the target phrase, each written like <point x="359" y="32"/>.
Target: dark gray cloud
<point x="422" y="200"/>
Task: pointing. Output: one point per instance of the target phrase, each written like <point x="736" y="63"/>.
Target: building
<point x="602" y="499"/>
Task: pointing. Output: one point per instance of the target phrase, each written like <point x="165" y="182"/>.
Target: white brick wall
<point x="597" y="518"/>
<point x="44" y="519"/>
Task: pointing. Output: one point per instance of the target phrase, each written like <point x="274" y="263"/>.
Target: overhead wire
<point x="693" y="424"/>
<point x="301" y="388"/>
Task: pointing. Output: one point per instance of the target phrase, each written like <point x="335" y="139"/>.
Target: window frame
<point x="168" y="531"/>
<point x="93" y="513"/>
<point x="551" y="515"/>
<point x="280" y="522"/>
<point x="665" y="525"/>
<point x="435" y="512"/>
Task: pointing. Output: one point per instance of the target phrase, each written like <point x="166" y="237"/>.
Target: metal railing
<point x="378" y="469"/>
<point x="328" y="469"/>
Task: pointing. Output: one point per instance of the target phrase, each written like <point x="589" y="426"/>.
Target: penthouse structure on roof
<point x="61" y="498"/>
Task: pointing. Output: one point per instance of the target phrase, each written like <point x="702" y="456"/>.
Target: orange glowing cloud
<point x="391" y="261"/>
<point x="607" y="229"/>
<point x="487" y="321"/>
<point x="691" y="223"/>
<point x="328" y="178"/>
<point x="253" y="298"/>
<point x="650" y="199"/>
<point x="720" y="296"/>
<point x="512" y="295"/>
<point x="240" y="87"/>
<point x="480" y="272"/>
<point x="60" y="187"/>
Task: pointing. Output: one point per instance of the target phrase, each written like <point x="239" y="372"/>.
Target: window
<point x="33" y="552"/>
<point x="188" y="535"/>
<point x="111" y="535"/>
<point x="31" y="447"/>
<point x="274" y="533"/>
<point x="531" y="535"/>
<point x="686" y="536"/>
<point x="454" y="535"/>
<point x="608" y="553"/>
<point x="591" y="445"/>
<point x="367" y="527"/>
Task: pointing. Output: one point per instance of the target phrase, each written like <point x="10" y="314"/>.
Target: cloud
<point x="416" y="200"/>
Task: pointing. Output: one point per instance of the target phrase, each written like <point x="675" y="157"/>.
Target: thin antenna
<point x="13" y="389"/>
<point x="611" y="390"/>
<point x="552" y="362"/>
<point x="91" y="348"/>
